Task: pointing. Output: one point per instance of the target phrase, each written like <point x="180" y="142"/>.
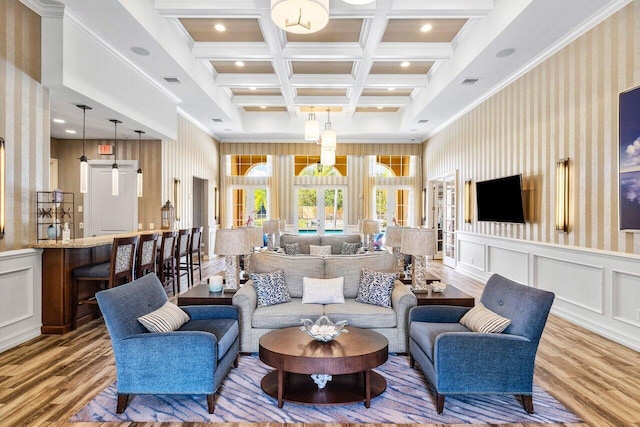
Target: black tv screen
<point x="500" y="200"/>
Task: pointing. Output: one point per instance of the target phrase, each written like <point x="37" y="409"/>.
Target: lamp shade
<point x="418" y="241"/>
<point x="232" y="242"/>
<point x="271" y="227"/>
<point x="300" y="16"/>
<point x="283" y="225"/>
<point x="370" y="227"/>
<point x="255" y="235"/>
<point x="329" y="139"/>
<point x="393" y="236"/>
<point x="312" y="128"/>
<point x="360" y="222"/>
<point x="327" y="156"/>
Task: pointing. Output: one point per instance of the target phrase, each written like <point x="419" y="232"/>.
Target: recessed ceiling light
<point x="58" y="121"/>
<point x="380" y="107"/>
<point x="426" y="28"/>
<point x="253" y="88"/>
<point x="220" y="27"/>
<point x="405" y="64"/>
<point x="391" y="89"/>
<point x="505" y="52"/>
<point x="140" y="51"/>
<point x="263" y="106"/>
<point x="70" y="131"/>
<point x="239" y="64"/>
<point x="227" y="130"/>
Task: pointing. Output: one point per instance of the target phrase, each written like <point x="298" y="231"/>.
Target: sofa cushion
<point x="270" y="288"/>
<point x="376" y="287"/>
<point x="322" y="291"/>
<point x="295" y="267"/>
<point x="349" y="266"/>
<point x="481" y="319"/>
<point x="291" y="248"/>
<point x="319" y="250"/>
<point x="360" y="315"/>
<point x="350" y="248"/>
<point x="167" y="318"/>
<point x="424" y="334"/>
<point x="335" y="241"/>
<point x="285" y="315"/>
<point x="303" y="240"/>
<point x="225" y="330"/>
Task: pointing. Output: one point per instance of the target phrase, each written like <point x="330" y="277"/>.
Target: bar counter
<point x="58" y="261"/>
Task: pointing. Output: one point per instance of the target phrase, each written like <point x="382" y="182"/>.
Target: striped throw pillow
<point x="167" y="318"/>
<point x="481" y="319"/>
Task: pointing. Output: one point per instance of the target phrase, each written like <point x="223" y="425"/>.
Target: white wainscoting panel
<point x="509" y="263"/>
<point x="598" y="290"/>
<point x="21" y="302"/>
<point x="626" y="297"/>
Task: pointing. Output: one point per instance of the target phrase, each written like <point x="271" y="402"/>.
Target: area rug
<point x="407" y="399"/>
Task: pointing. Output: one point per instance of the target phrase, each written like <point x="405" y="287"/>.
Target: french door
<point x="392" y="205"/>
<point x="249" y="203"/>
<point x="321" y="209"/>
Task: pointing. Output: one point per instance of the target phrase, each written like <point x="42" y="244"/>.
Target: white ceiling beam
<point x="231" y="51"/>
<point x="257" y="101"/>
<point x="387" y="101"/>
<point x="441" y="8"/>
<point x="322" y="51"/>
<point x="248" y="80"/>
<point x="396" y="80"/>
<point x="413" y="51"/>
<point x="321" y="100"/>
<point x="206" y="8"/>
<point x="321" y="80"/>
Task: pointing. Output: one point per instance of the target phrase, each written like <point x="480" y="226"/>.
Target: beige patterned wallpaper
<point x="565" y="107"/>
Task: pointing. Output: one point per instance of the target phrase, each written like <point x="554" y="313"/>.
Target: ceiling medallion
<point x="300" y="16"/>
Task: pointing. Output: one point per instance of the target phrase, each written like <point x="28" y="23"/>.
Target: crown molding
<point x="46" y="10"/>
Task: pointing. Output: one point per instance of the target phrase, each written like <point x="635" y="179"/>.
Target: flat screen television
<point x="500" y="200"/>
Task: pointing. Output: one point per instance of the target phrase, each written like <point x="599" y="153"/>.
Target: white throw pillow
<point x="319" y="250"/>
<point x="481" y="319"/>
<point x="322" y="291"/>
<point x="167" y="318"/>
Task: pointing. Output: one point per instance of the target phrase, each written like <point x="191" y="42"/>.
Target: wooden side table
<point x="200" y="295"/>
<point x="450" y="296"/>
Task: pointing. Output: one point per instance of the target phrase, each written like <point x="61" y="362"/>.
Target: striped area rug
<point x="406" y="400"/>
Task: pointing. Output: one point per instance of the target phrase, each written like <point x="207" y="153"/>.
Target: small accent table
<point x="200" y="295"/>
<point x="450" y="296"/>
<point x="349" y="359"/>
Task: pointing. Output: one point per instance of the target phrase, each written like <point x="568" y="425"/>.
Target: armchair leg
<point x="123" y="400"/>
<point x="412" y="361"/>
<point x="235" y="361"/>
<point x="527" y="402"/>
<point x="211" y="403"/>
<point x="439" y="402"/>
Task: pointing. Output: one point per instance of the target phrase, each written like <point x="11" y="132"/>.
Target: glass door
<point x="249" y="205"/>
<point x="320" y="210"/>
<point x="392" y="206"/>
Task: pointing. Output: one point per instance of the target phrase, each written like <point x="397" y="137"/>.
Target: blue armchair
<point x="457" y="361"/>
<point x="192" y="360"/>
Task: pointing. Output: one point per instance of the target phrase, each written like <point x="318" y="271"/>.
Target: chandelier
<point x="329" y="143"/>
<point x="300" y="16"/>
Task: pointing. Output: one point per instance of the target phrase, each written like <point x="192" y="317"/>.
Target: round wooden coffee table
<point x="349" y="359"/>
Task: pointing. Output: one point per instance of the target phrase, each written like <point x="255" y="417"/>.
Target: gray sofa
<point x="390" y="322"/>
<point x="333" y="240"/>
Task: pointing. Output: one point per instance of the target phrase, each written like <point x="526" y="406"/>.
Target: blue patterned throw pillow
<point x="350" y="248"/>
<point x="376" y="287"/>
<point x="270" y="288"/>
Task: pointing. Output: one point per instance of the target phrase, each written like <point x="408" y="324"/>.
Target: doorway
<point x="443" y="201"/>
<point x="321" y="209"/>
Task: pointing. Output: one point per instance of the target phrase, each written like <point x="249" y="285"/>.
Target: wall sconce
<point x="562" y="195"/>
<point x="176" y="197"/>
<point x="3" y="200"/>
<point x="467" y="201"/>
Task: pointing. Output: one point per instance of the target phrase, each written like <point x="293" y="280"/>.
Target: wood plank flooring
<point x="46" y="380"/>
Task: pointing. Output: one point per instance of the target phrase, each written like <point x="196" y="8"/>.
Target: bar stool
<point x="166" y="260"/>
<point x="119" y="269"/>
<point x="194" y="249"/>
<point x="147" y="254"/>
<point x="182" y="256"/>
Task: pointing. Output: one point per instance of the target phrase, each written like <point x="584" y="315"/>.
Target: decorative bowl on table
<point x="323" y="329"/>
<point x="438" y="287"/>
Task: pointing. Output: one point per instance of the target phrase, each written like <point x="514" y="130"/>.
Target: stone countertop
<point x="87" y="242"/>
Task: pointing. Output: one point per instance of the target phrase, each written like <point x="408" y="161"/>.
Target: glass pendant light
<point x="114" y="168"/>
<point x="139" y="174"/>
<point x="312" y="128"/>
<point x="84" y="164"/>
<point x="329" y="136"/>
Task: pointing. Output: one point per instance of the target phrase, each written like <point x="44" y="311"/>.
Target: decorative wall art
<point x="629" y="151"/>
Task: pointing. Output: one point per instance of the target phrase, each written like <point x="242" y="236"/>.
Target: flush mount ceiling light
<point x="426" y="28"/>
<point x="220" y="27"/>
<point x="300" y="16"/>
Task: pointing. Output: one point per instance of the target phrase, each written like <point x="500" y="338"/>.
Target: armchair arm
<point x="470" y="361"/>
<point x="246" y="300"/>
<point x="402" y="300"/>
<point x="437" y="313"/>
<point x="198" y="312"/>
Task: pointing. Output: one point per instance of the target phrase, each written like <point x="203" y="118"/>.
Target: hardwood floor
<point x="46" y="380"/>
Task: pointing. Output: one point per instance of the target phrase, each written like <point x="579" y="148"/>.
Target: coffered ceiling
<point x="392" y="70"/>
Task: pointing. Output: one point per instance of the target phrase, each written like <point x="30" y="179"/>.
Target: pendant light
<point x="300" y="16"/>
<point x="139" y="175"/>
<point x="329" y="136"/>
<point x="114" y="168"/>
<point x="84" y="164"/>
<point x="312" y="128"/>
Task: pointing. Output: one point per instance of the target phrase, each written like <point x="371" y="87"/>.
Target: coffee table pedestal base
<point x="341" y="390"/>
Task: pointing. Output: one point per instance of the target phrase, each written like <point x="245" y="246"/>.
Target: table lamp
<point x="255" y="236"/>
<point x="419" y="243"/>
<point x="271" y="228"/>
<point x="393" y="239"/>
<point x="231" y="243"/>
<point x="370" y="228"/>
